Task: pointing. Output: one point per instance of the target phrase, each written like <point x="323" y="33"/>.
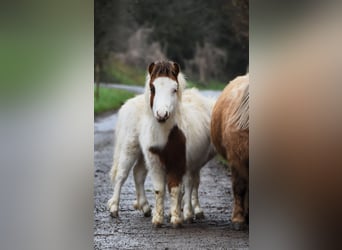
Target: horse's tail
<point x="117" y="149"/>
<point x="113" y="170"/>
<point x="240" y="116"/>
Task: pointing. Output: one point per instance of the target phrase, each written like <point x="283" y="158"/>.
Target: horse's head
<point x="164" y="89"/>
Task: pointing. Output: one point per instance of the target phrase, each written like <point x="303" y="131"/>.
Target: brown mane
<point x="163" y="69"/>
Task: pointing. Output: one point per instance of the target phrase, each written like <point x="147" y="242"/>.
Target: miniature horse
<point x="230" y="136"/>
<point x="167" y="132"/>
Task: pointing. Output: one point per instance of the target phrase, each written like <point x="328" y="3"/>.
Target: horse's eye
<point x="174" y="91"/>
<point x="152" y="89"/>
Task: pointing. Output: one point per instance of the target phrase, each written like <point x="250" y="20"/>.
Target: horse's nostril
<point x="162" y="116"/>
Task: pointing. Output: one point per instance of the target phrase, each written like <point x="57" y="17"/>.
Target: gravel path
<point x="133" y="231"/>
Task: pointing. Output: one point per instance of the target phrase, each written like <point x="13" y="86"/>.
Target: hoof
<point x="188" y="217"/>
<point x="157" y="221"/>
<point x="114" y="214"/>
<point x="136" y="205"/>
<point x="238" y="226"/>
<point x="147" y="213"/>
<point x="176" y="221"/>
<point x="177" y="225"/>
<point x="145" y="208"/>
<point x="199" y="216"/>
<point x="188" y="221"/>
<point x="157" y="225"/>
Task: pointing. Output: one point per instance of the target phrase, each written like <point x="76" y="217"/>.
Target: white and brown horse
<point x="230" y="136"/>
<point x="167" y="132"/>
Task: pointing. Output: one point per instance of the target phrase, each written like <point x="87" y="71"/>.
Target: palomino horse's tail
<point x="240" y="114"/>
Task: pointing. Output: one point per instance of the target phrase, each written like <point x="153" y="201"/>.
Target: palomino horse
<point x="167" y="132"/>
<point x="230" y="136"/>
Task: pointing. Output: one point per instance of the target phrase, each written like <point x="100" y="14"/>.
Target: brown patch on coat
<point x="173" y="157"/>
<point x="162" y="69"/>
<point x="233" y="144"/>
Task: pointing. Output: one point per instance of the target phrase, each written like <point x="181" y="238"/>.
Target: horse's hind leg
<point x="140" y="173"/>
<point x="127" y="157"/>
<point x="188" y="187"/>
<point x="240" y="190"/>
<point x="246" y="206"/>
<point x="195" y="201"/>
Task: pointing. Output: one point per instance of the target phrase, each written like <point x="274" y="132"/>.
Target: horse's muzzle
<point x="162" y="118"/>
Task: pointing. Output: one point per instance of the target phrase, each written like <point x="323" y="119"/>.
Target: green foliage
<point x="121" y="73"/>
<point x="110" y="99"/>
<point x="180" y="25"/>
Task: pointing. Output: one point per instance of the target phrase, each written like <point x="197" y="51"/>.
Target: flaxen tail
<point x="240" y="116"/>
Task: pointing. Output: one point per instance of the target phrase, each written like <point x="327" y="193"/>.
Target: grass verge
<point x="110" y="99"/>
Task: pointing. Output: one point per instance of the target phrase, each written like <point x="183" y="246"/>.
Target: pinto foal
<point x="230" y="136"/>
<point x="167" y="132"/>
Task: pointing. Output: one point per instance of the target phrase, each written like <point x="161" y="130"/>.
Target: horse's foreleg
<point x="195" y="201"/>
<point x="176" y="215"/>
<point x="158" y="180"/>
<point x="140" y="173"/>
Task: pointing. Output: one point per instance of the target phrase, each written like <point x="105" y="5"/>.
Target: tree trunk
<point x="97" y="81"/>
<point x="202" y="68"/>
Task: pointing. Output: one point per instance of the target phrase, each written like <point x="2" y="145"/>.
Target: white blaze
<point x="165" y="98"/>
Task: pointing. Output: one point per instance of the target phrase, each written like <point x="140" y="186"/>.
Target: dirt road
<point x="133" y="231"/>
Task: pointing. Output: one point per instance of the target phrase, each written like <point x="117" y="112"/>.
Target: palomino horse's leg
<point x="240" y="190"/>
<point x="140" y="173"/>
<point x="188" y="187"/>
<point x="124" y="165"/>
<point x="195" y="201"/>
<point x="246" y="206"/>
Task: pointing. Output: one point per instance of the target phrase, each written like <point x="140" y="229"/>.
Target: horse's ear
<point x="176" y="68"/>
<point x="150" y="68"/>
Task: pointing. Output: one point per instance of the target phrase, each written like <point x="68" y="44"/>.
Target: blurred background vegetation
<point x="209" y="39"/>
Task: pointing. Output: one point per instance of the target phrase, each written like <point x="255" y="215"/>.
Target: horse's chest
<point x="172" y="156"/>
<point x="151" y="135"/>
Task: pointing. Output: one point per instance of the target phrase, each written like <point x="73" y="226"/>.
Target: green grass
<point x="110" y="99"/>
